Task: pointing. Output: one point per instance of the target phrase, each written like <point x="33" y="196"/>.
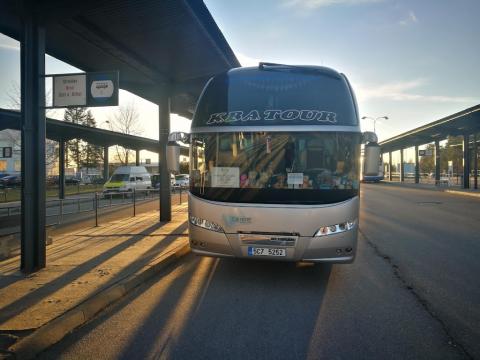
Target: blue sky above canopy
<point x="414" y="61"/>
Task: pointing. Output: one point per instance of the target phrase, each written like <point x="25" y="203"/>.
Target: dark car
<point x="10" y="181"/>
<point x="72" y="181"/>
<point x="52" y="180"/>
<point x="155" y="181"/>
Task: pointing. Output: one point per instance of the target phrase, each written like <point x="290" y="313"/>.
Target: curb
<point x="55" y="330"/>
<point x="449" y="191"/>
<point x="464" y="193"/>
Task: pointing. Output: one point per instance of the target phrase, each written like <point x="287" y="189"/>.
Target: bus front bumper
<point x="335" y="248"/>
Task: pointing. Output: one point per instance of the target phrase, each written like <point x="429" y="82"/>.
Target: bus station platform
<point x="87" y="270"/>
<point x="432" y="187"/>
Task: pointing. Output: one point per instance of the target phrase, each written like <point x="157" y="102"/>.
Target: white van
<point x="127" y="178"/>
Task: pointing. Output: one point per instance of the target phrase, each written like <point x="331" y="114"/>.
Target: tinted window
<point x="251" y="97"/>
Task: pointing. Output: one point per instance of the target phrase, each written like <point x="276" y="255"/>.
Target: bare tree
<point x="126" y="121"/>
<point x="14" y="136"/>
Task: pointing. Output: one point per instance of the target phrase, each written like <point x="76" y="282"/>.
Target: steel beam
<point x="466" y="161"/>
<point x="475" y="162"/>
<point x="402" y="168"/>
<point x="417" y="166"/>
<point x="390" y="177"/>
<point x="437" y="162"/>
<point x="61" y="169"/>
<point x="164" y="130"/>
<point x="106" y="174"/>
<point x="32" y="55"/>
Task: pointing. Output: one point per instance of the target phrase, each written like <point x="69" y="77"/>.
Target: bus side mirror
<point x="173" y="156"/>
<point x="179" y="136"/>
<point x="368" y="137"/>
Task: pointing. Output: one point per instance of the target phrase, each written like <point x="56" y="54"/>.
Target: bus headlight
<point x="336" y="229"/>
<point x="209" y="225"/>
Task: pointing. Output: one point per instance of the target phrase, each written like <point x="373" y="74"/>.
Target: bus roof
<point x="277" y="94"/>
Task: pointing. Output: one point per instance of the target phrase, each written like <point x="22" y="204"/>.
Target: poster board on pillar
<point x="85" y="89"/>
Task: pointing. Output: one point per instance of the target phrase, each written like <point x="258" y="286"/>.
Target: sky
<point x="413" y="61"/>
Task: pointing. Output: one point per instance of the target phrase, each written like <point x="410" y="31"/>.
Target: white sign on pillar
<point x="69" y="90"/>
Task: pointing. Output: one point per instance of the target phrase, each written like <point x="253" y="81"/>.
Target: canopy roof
<point x="173" y="44"/>
<point x="464" y="122"/>
<point x="62" y="130"/>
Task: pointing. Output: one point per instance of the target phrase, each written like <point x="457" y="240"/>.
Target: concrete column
<point x="390" y="177"/>
<point x="137" y="157"/>
<point x="106" y="174"/>
<point x="466" y="161"/>
<point x="437" y="162"/>
<point x="32" y="55"/>
<point x="417" y="166"/>
<point x="402" y="168"/>
<point x="61" y="169"/>
<point x="164" y="127"/>
<point x="475" y="163"/>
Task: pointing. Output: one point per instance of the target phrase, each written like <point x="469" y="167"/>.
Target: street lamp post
<point x="374" y="120"/>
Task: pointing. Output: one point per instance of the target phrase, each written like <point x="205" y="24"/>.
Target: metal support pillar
<point x="417" y="166"/>
<point x="164" y="128"/>
<point x="106" y="174"/>
<point x="475" y="162"/>
<point x="32" y="55"/>
<point x="437" y="162"/>
<point x="390" y="176"/>
<point x="466" y="161"/>
<point x="402" y="168"/>
<point x="137" y="157"/>
<point x="61" y="169"/>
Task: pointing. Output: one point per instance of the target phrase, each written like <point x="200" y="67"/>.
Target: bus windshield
<point x="275" y="167"/>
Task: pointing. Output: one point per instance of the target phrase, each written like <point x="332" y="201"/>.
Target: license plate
<point x="259" y="251"/>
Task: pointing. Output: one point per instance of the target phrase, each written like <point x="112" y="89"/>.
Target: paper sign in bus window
<point x="228" y="177"/>
<point x="295" y="178"/>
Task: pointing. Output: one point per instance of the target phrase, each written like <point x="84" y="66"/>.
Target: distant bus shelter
<point x="63" y="131"/>
<point x="164" y="51"/>
<point x="464" y="124"/>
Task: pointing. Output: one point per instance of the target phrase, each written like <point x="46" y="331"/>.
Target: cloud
<point x="410" y="19"/>
<point x="404" y="91"/>
<point x="315" y="4"/>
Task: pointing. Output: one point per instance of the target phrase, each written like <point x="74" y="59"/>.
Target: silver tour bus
<point x="274" y="165"/>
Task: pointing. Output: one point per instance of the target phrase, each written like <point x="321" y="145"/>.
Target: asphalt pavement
<point x="412" y="293"/>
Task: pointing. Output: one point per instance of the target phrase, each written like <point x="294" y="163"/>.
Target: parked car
<point x="156" y="181"/>
<point x="92" y="179"/>
<point x="181" y="181"/>
<point x="52" y="180"/>
<point x="70" y="180"/>
<point x="10" y="181"/>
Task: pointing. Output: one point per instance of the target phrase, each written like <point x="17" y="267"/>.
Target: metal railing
<point x="58" y="209"/>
